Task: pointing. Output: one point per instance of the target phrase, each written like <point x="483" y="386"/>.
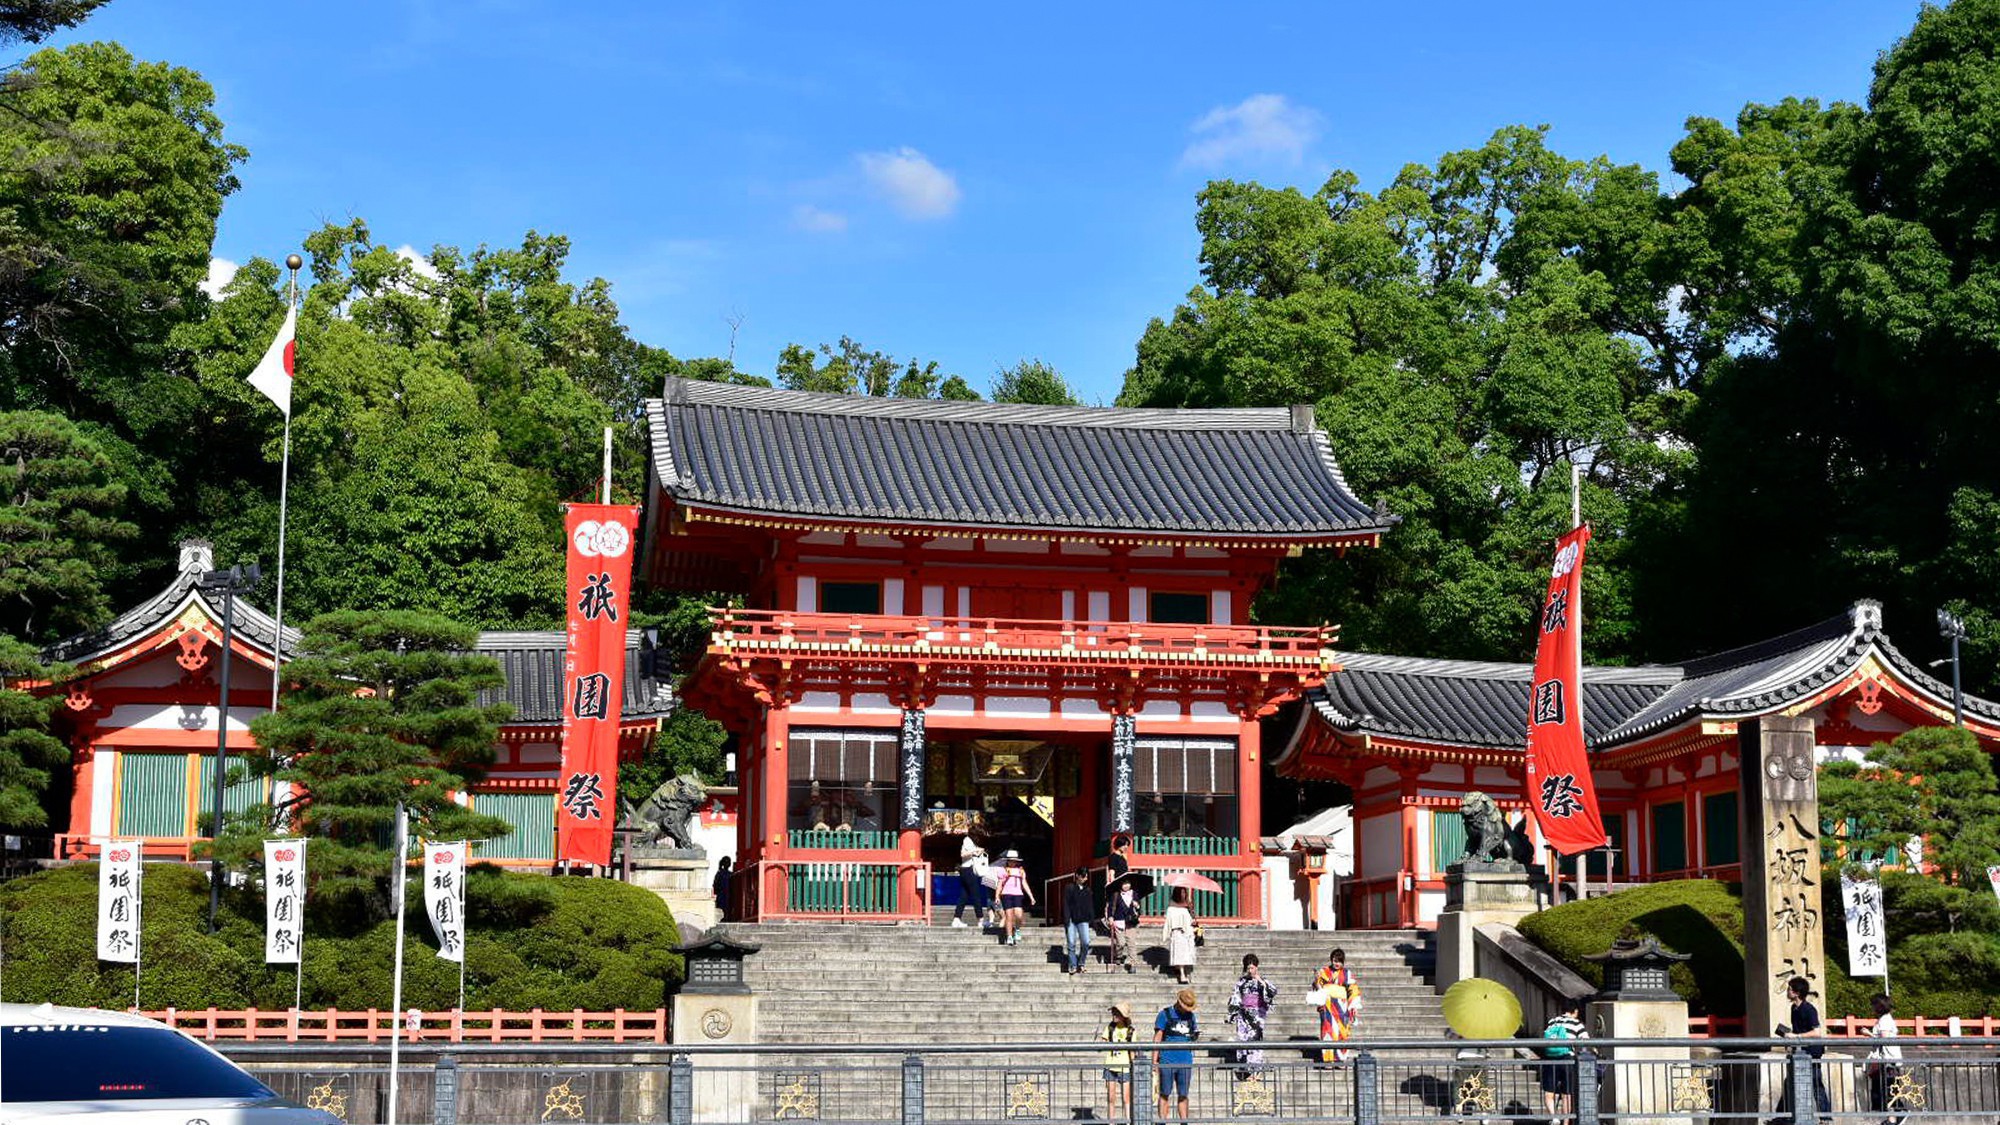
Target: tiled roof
<point x="533" y="663"/>
<point x="1247" y="472"/>
<point x="1463" y="703"/>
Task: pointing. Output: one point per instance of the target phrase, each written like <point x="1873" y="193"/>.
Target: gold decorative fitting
<point x="1027" y="1095"/>
<point x="327" y="1099"/>
<point x="561" y="1103"/>
<point x="797" y="1097"/>
<point x="1254" y="1097"/>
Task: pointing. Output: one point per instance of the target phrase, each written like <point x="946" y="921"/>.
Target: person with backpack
<point x="1558" y="1077"/>
<point x="1176" y="1024"/>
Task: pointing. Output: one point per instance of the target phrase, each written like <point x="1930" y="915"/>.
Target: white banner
<point x="1867" y="939"/>
<point x="118" y="875"/>
<point x="1993" y="876"/>
<point x="284" y="900"/>
<point x="444" y="897"/>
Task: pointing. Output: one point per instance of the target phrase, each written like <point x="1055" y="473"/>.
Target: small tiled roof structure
<point x="1241" y="473"/>
<point x="1485" y="706"/>
<point x="532" y="661"/>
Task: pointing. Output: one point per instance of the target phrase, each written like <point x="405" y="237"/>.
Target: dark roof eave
<point x="1358" y="533"/>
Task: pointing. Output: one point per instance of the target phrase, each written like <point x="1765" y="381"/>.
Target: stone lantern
<point x="715" y="1005"/>
<point x="1638" y="1002"/>
<point x="1639" y="970"/>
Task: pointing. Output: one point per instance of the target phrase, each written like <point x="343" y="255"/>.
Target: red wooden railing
<point x="736" y="629"/>
<point x="1852" y="1027"/>
<point x="375" y="1025"/>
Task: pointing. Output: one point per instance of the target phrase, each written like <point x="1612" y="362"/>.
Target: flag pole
<point x="396" y="1009"/>
<point x="292" y="263"/>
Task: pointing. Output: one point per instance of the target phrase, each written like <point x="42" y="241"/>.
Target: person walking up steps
<point x="1121" y="917"/>
<point x="971" y="890"/>
<point x="1015" y="896"/>
<point x="1079" y="909"/>
<point x="1176" y="1024"/>
<point x="1558" y="1077"/>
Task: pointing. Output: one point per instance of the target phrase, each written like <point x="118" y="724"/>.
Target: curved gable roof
<point x="1485" y="705"/>
<point x="1248" y="472"/>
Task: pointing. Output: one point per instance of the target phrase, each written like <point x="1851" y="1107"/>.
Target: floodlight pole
<point x="1952" y="628"/>
<point x="227" y="581"/>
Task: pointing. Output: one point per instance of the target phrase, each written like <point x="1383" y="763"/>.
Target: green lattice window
<point x="153" y="795"/>
<point x="1719" y="830"/>
<point x="833" y="888"/>
<point x="1669" y="837"/>
<point x="1447" y="839"/>
<point x="533" y="816"/>
<point x="240" y="797"/>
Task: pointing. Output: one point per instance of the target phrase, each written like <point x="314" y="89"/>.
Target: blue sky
<point x="975" y="184"/>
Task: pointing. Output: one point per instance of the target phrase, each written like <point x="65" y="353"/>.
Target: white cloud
<point x="220" y="272"/>
<point x="915" y="187"/>
<point x="809" y="218"/>
<point x="419" y="264"/>
<point x="1261" y="125"/>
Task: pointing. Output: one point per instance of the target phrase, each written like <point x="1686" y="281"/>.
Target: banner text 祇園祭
<point x="599" y="587"/>
<point x="1560" y="789"/>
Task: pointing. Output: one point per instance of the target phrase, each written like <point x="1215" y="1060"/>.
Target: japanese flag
<point x="274" y="372"/>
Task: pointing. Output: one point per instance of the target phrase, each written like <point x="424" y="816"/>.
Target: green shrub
<point x="1699" y="917"/>
<point x="533" y="941"/>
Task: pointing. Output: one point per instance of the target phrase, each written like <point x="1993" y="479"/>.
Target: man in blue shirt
<point x="1176" y="1024"/>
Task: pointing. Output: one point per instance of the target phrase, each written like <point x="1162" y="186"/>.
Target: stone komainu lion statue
<point x="665" y="814"/>
<point x="1485" y="831"/>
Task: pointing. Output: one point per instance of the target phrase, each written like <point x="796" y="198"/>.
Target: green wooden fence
<point x="533" y="816"/>
<point x="1206" y="904"/>
<point x="1186" y="845"/>
<point x="834" y="888"/>
<point x="841" y="841"/>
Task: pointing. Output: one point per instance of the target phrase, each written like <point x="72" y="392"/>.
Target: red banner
<point x="1559" y="784"/>
<point x="599" y="589"/>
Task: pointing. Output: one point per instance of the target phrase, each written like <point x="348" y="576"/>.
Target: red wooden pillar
<point x="772" y="813"/>
<point x="1407" y="893"/>
<point x="1250" y="816"/>
<point x="86" y="788"/>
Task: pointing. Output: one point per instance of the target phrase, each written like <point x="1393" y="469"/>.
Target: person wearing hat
<point x="1176" y="1024"/>
<point x="1079" y="908"/>
<point x="1015" y="896"/>
<point x="1117" y="1064"/>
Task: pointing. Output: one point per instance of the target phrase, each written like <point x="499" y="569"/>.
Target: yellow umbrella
<point x="1478" y="1008"/>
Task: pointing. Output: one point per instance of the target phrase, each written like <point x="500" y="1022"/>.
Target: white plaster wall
<point x="808" y="594"/>
<point x="1218" y="607"/>
<point x="1282" y="904"/>
<point x="163" y="716"/>
<point x="1423" y="857"/>
<point x="1100" y="605"/>
<point x="1493" y="779"/>
<point x="1430" y="904"/>
<point x="874" y="703"/>
<point x="1090" y="550"/>
<point x="1380" y="775"/>
<point x="1083" y="709"/>
<point x="818" y="701"/>
<point x="953" y="705"/>
<point x="1381" y="851"/>
<point x="892" y="595"/>
<point x="1017" y="546"/>
<point x="825" y="538"/>
<point x="1135" y="603"/>
<point x="934" y="601"/>
<point x="1016" y="705"/>
<point x="102" y="791"/>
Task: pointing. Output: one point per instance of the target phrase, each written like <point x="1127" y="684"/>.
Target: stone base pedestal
<point x="725" y="1086"/>
<point x="1475" y="894"/>
<point x="1669" y="1088"/>
<point x="681" y="877"/>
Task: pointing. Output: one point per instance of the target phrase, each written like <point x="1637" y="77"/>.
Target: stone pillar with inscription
<point x="1784" y="933"/>
<point x="715" y="1005"/>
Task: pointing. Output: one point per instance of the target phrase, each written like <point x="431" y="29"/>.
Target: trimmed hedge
<point x="1935" y="974"/>
<point x="551" y="942"/>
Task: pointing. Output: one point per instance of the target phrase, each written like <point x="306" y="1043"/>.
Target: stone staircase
<point x="848" y="983"/>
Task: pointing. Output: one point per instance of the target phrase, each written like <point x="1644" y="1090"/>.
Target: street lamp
<point x="1952" y="628"/>
<point x="228" y="583"/>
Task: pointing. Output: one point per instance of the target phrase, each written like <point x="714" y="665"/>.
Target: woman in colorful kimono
<point x="1249" y="1006"/>
<point x="1338" y="997"/>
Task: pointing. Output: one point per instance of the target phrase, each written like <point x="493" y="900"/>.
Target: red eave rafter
<point x="1062" y="535"/>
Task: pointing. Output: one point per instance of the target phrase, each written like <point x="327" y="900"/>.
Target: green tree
<point x="31" y="21"/>
<point x="27" y="750"/>
<point x="1933" y="783"/>
<point x="1467" y="334"/>
<point x="1033" y="382"/>
<point x="385" y="710"/>
<point x="59" y="526"/>
<point x="852" y="369"/>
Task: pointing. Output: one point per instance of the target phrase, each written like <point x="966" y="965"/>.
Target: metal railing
<point x="1604" y="1082"/>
